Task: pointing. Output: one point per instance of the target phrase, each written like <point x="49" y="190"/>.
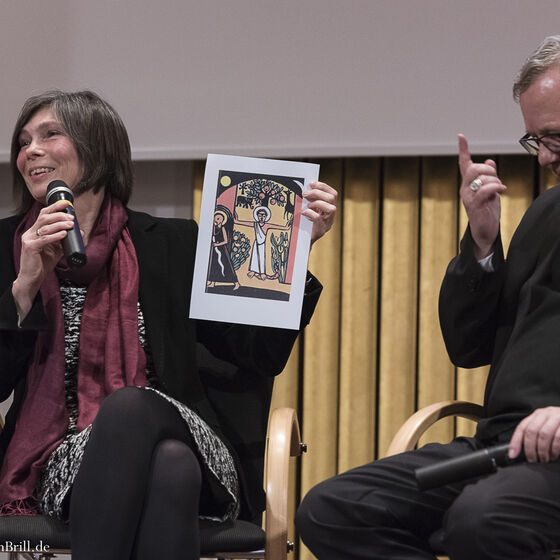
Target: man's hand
<point x="482" y="205"/>
<point x="538" y="435"/>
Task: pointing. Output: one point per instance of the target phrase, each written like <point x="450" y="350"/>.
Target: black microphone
<point x="72" y="244"/>
<point x="477" y="463"/>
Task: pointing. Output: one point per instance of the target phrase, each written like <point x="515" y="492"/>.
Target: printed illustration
<point x="255" y="231"/>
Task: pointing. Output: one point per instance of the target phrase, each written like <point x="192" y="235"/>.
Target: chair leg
<point x="28" y="556"/>
<point x="23" y="556"/>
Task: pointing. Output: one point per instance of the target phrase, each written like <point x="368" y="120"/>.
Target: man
<point x="506" y="313"/>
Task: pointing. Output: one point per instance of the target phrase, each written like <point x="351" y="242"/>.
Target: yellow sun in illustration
<point x="225" y="181"/>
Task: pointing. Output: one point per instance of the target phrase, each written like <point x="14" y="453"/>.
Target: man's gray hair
<point x="542" y="59"/>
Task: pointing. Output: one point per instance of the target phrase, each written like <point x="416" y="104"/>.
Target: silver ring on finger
<point x="38" y="232"/>
<point x="476" y="184"/>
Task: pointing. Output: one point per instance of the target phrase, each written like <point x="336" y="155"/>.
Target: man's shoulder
<point x="549" y="195"/>
<point x="540" y="222"/>
<point x="545" y="204"/>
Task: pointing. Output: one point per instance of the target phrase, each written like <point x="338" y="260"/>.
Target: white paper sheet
<point x="253" y="243"/>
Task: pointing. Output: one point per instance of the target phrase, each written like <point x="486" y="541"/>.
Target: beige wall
<point x="290" y="78"/>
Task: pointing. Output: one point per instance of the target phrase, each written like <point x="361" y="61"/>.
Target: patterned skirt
<point x="220" y="484"/>
<point x="217" y="466"/>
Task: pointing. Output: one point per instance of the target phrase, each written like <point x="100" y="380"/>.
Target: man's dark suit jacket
<point x="509" y="317"/>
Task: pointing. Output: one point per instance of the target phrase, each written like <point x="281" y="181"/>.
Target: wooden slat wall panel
<point x="321" y="353"/>
<point x="398" y="305"/>
<point x="358" y="335"/>
<point x="198" y="180"/>
<point x="438" y="233"/>
<point x="547" y="179"/>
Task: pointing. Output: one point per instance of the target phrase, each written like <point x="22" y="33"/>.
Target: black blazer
<point x="165" y="250"/>
<point x="509" y="317"/>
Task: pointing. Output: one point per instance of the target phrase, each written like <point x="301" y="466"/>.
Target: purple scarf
<point x="110" y="352"/>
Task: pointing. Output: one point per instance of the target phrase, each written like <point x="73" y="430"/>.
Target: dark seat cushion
<point x="36" y="529"/>
<point x="237" y="536"/>
<point x="41" y="531"/>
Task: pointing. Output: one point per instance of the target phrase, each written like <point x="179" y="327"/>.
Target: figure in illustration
<point x="248" y="208"/>
<point x="221" y="267"/>
<point x="257" y="264"/>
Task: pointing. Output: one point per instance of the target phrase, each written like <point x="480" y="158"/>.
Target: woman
<point x="110" y="427"/>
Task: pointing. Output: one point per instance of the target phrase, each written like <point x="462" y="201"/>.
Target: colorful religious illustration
<point x="253" y="242"/>
<point x="256" y="222"/>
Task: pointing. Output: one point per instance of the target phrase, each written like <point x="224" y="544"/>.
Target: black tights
<point x="136" y="494"/>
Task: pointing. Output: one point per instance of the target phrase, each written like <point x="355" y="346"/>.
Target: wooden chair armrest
<point x="284" y="441"/>
<point x="410" y="432"/>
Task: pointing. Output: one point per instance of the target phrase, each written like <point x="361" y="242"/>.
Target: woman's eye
<point x="23" y="143"/>
<point x="52" y="133"/>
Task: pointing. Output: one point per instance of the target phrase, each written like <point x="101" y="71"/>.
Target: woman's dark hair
<point x="98" y="134"/>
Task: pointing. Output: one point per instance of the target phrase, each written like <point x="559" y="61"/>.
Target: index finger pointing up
<point x="464" y="154"/>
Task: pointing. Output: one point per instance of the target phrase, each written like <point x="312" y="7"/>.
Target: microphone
<point x="72" y="244"/>
<point x="477" y="463"/>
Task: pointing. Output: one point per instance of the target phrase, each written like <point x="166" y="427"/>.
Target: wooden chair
<point x="242" y="402"/>
<point x="411" y="431"/>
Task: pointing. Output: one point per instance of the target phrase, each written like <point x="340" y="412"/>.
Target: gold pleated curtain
<point x="373" y="353"/>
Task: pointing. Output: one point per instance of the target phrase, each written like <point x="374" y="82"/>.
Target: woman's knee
<point x="124" y="410"/>
<point x="176" y="466"/>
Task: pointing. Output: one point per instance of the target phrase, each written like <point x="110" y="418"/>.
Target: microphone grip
<point x="73" y="244"/>
<point x="477" y="463"/>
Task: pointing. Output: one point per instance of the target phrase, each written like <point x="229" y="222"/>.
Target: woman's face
<point x="46" y="153"/>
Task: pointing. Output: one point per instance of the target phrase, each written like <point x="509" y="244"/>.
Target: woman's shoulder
<point x="9" y="225"/>
<point x="144" y="220"/>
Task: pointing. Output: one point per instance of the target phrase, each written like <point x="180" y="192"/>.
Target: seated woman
<point x="110" y="428"/>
